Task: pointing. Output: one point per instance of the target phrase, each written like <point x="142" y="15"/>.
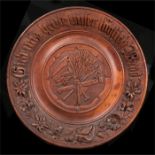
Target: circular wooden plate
<point x="77" y="77"/>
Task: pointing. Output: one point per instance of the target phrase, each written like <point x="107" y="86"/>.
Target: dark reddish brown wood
<point x="77" y="77"/>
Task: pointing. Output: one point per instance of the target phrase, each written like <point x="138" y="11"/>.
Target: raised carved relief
<point x="127" y="106"/>
<point x="113" y="122"/>
<point x="40" y="123"/>
<point x="113" y="32"/>
<point x="78" y="74"/>
<point x="26" y="106"/>
<point x="85" y="21"/>
<point x="57" y="131"/>
<point x="80" y="66"/>
<point x="133" y="88"/>
<point x="81" y="135"/>
<point x="130" y="54"/>
<point x="18" y="71"/>
<point x="20" y="87"/>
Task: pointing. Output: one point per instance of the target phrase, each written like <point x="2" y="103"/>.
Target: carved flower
<point x="81" y="135"/>
<point x="70" y="135"/>
<point x="40" y="124"/>
<point x="126" y="106"/>
<point x="26" y="106"/>
<point x="113" y="122"/>
<point x="57" y="130"/>
<point x="102" y="128"/>
<point x="85" y="134"/>
<point x="133" y="88"/>
<point x="70" y="138"/>
<point x="102" y="124"/>
<point x="20" y="87"/>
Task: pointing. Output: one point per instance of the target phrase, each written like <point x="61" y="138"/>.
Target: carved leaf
<point x="86" y="131"/>
<point x="100" y="134"/>
<point x="113" y="121"/>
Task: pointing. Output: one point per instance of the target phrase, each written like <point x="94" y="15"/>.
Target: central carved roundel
<point x="78" y="78"/>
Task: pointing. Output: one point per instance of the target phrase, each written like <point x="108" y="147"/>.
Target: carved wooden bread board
<point x="77" y="77"/>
